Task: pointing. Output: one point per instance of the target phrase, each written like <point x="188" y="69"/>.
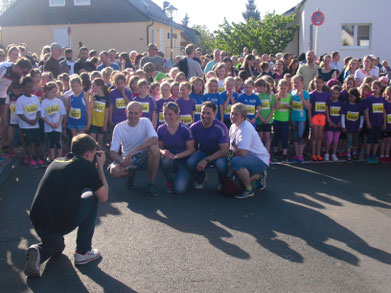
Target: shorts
<point x="54" y="139"/>
<point x="96" y="129"/>
<point x="2" y="101"/>
<point x="319" y="120"/>
<point x="253" y="164"/>
<point x="386" y="134"/>
<point x="264" y="128"/>
<point x="13" y="125"/>
<point x="78" y="127"/>
<point x="31" y="135"/>
<point x="139" y="162"/>
<point x="374" y="135"/>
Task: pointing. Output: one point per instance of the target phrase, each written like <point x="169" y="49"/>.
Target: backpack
<point x="182" y="65"/>
<point x="232" y="185"/>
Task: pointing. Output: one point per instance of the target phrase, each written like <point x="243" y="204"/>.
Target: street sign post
<point x="317" y="19"/>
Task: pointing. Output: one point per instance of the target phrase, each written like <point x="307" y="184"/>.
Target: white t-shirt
<point x="14" y="118"/>
<point x="129" y="137"/>
<point x="360" y="75"/>
<point x="4" y="81"/>
<point x="52" y="110"/>
<point x="245" y="137"/>
<point x="29" y="107"/>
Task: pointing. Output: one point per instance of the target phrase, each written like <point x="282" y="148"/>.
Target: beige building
<point x="97" y="24"/>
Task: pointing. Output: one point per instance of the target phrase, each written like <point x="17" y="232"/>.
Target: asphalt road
<point x="317" y="228"/>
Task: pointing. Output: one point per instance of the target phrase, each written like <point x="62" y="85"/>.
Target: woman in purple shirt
<point x="176" y="143"/>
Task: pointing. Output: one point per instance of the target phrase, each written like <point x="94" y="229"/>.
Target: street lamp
<point x="170" y="11"/>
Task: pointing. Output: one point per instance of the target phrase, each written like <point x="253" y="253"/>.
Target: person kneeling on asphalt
<point x="139" y="149"/>
<point x="250" y="157"/>
<point x="67" y="197"/>
<point x="211" y="140"/>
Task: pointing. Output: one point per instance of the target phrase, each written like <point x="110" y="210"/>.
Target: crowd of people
<point x="202" y="111"/>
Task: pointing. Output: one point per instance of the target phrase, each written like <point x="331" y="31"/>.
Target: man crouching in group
<point x="67" y="197"/>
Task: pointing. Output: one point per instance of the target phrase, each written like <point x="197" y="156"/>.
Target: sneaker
<point x="295" y="159"/>
<point x="369" y="159"/>
<point x="375" y="160"/>
<point x="314" y="158"/>
<point x="261" y="182"/>
<point x="130" y="181"/>
<point x="383" y="160"/>
<point x="284" y="159"/>
<point x="33" y="163"/>
<point x="82" y="259"/>
<point x="327" y="157"/>
<point x="355" y="155"/>
<point x="300" y="159"/>
<point x="169" y="187"/>
<point x="334" y="157"/>
<point x="245" y="194"/>
<point x="200" y="186"/>
<point x="10" y="155"/>
<point x="26" y="160"/>
<point x="320" y="158"/>
<point x="40" y="162"/>
<point x="219" y="187"/>
<point x="33" y="261"/>
<point x="152" y="191"/>
<point x="348" y="158"/>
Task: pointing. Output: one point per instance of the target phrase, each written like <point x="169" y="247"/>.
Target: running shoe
<point x="320" y="158"/>
<point x="152" y="191"/>
<point x="348" y="158"/>
<point x="40" y="162"/>
<point x="26" y="160"/>
<point x="295" y="159"/>
<point x="10" y="155"/>
<point x="314" y="158"/>
<point x="33" y="163"/>
<point x="327" y="157"/>
<point x="91" y="255"/>
<point x="300" y="159"/>
<point x="169" y="187"/>
<point x="383" y="160"/>
<point x="369" y="159"/>
<point x="200" y="186"/>
<point x="33" y="261"/>
<point x="334" y="157"/>
<point x="375" y="160"/>
<point x="261" y="182"/>
<point x="247" y="193"/>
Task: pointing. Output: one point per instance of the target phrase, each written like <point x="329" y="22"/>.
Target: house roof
<point x="294" y="8"/>
<point x="38" y="12"/>
<point x="191" y="35"/>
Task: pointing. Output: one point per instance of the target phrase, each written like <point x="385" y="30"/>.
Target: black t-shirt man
<point x="57" y="200"/>
<point x="86" y="65"/>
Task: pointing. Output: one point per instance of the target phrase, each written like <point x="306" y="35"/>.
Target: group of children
<point x="331" y="119"/>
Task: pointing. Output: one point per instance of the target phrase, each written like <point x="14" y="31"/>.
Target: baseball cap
<point x="56" y="46"/>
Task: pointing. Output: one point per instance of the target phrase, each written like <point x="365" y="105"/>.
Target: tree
<point x="269" y="35"/>
<point x="251" y="11"/>
<point x="185" y="20"/>
<point x="206" y="40"/>
<point x="4" y="4"/>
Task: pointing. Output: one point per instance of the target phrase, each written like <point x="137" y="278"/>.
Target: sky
<point x="212" y="12"/>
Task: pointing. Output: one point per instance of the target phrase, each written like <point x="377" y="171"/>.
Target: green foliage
<point x="4" y="4"/>
<point x="269" y="35"/>
<point x="251" y="11"/>
<point x="185" y="21"/>
<point x="207" y="39"/>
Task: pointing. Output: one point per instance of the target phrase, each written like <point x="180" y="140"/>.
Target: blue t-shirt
<point x="252" y="102"/>
<point x="223" y="97"/>
<point x="375" y="106"/>
<point x="299" y="112"/>
<point x="112" y="65"/>
<point x="198" y="99"/>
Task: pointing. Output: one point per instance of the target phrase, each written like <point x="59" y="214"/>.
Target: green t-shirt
<point x="267" y="103"/>
<point x="282" y="113"/>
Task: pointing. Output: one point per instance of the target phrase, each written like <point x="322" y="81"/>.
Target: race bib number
<point x="389" y="118"/>
<point x="352" y="116"/>
<point x="335" y="111"/>
<point x="265" y="105"/>
<point x="145" y="107"/>
<point x="31" y="109"/>
<point x="52" y="110"/>
<point x="13" y="108"/>
<point x="320" y="106"/>
<point x="298" y="106"/>
<point x="377" y="108"/>
<point x="161" y="117"/>
<point x="99" y="106"/>
<point x="75" y="113"/>
<point x="186" y="119"/>
<point x="198" y="109"/>
<point x="283" y="107"/>
<point x="228" y="110"/>
<point x="250" y="109"/>
<point x="120" y="103"/>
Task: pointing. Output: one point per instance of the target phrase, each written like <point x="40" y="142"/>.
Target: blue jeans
<point x="53" y="243"/>
<point x="253" y="164"/>
<point x="221" y="165"/>
<point x="182" y="173"/>
<point x="281" y="131"/>
<point x="298" y="131"/>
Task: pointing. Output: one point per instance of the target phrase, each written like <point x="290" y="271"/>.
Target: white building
<point x="352" y="27"/>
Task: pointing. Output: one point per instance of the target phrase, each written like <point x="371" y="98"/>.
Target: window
<point x="82" y="2"/>
<point x="56" y="3"/>
<point x="356" y="35"/>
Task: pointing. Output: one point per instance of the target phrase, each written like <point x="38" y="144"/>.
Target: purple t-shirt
<point x="148" y="105"/>
<point x="159" y="106"/>
<point x="207" y="140"/>
<point x="175" y="143"/>
<point x="387" y="107"/>
<point x="352" y="114"/>
<point x="376" y="110"/>
<point x="344" y="96"/>
<point x="318" y="102"/>
<point x="187" y="108"/>
<point x="335" y="113"/>
<point x="119" y="105"/>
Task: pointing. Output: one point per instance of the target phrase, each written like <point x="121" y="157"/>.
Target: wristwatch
<point x="175" y="157"/>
